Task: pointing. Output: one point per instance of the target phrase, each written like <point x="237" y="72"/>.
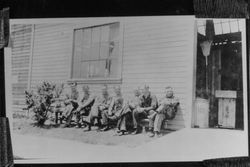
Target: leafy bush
<point x="40" y="101"/>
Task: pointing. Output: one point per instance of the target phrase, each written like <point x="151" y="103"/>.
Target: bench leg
<point x="143" y="129"/>
<point x="60" y="118"/>
<point x="56" y="115"/>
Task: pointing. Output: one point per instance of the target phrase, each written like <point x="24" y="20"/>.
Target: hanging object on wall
<point x="206" y="47"/>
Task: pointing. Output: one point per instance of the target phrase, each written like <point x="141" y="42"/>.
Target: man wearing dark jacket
<point x="84" y="105"/>
<point x="147" y="107"/>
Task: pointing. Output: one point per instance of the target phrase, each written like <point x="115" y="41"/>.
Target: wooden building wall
<point x="156" y="52"/>
<point x="51" y="53"/>
<point x="159" y="53"/>
<point x="21" y="36"/>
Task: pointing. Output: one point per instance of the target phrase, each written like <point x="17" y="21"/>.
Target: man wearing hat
<point x="147" y="106"/>
<point x="85" y="104"/>
<point x="101" y="105"/>
<point x="71" y="104"/>
<point x="167" y="109"/>
<point x="116" y="106"/>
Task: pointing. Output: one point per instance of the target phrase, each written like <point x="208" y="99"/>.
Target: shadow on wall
<point x="178" y="122"/>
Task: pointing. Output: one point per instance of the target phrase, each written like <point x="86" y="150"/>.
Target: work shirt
<point x="116" y="104"/>
<point x="134" y="102"/>
<point x="168" y="101"/>
<point x="168" y="106"/>
<point x="72" y="98"/>
<point x="150" y="101"/>
<point x="86" y="100"/>
<point x="101" y="103"/>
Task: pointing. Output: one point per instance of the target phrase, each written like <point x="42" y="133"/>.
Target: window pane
<point x="84" y="70"/>
<point x="114" y="49"/>
<point x="86" y="44"/>
<point x="217" y="29"/>
<point x="201" y="30"/>
<point x="95" y="45"/>
<point x="234" y="26"/>
<point x="95" y="69"/>
<point x="104" y="48"/>
<point x="226" y="28"/>
<point x="216" y="21"/>
<point x="77" y="53"/>
<point x="114" y="68"/>
<point x="241" y="25"/>
<point x="102" y="71"/>
<point x="114" y="32"/>
<point x="201" y="22"/>
<point x="114" y="39"/>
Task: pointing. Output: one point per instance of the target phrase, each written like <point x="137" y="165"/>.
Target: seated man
<point x="126" y="113"/>
<point x="100" y="105"/>
<point x="84" y="105"/>
<point x="116" y="106"/>
<point x="166" y="110"/>
<point x="147" y="107"/>
<point x="71" y="104"/>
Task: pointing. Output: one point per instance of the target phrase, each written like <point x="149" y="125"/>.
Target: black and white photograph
<point x="126" y="89"/>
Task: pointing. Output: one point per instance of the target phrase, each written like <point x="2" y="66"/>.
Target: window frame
<point x="99" y="80"/>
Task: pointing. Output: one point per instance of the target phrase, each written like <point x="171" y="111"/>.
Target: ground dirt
<point x="24" y="125"/>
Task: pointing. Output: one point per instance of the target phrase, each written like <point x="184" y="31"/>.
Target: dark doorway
<point x="219" y="84"/>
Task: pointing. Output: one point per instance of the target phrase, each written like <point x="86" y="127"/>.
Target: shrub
<point x="39" y="102"/>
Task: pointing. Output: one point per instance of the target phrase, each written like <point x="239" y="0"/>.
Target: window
<point x="221" y="27"/>
<point x="96" y="52"/>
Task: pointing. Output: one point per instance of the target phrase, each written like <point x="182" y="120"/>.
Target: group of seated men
<point x="107" y="110"/>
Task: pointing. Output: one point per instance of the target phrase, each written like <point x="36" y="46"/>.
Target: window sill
<point x="97" y="81"/>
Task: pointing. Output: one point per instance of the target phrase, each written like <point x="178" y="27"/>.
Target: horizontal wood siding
<point x="21" y="51"/>
<point x="51" y="53"/>
<point x="157" y="53"/>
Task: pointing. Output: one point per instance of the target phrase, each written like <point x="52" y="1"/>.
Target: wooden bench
<point x="144" y="123"/>
<point x="58" y="116"/>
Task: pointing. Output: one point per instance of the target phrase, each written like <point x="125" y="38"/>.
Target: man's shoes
<point x="151" y="134"/>
<point x="157" y="134"/>
<point x="78" y="126"/>
<point x="136" y="131"/>
<point x="105" y="128"/>
<point x="65" y="126"/>
<point x="123" y="132"/>
<point x="87" y="129"/>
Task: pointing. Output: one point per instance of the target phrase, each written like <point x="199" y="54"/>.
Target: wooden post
<point x="6" y="154"/>
<point x="2" y="85"/>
